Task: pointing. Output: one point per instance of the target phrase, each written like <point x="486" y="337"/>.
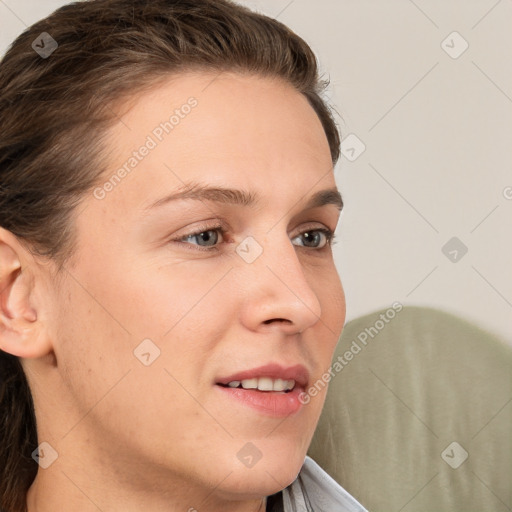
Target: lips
<point x="271" y="390"/>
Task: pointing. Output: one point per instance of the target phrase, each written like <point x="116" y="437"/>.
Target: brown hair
<point x="55" y="108"/>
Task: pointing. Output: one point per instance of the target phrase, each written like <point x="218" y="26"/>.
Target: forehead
<point x="248" y="131"/>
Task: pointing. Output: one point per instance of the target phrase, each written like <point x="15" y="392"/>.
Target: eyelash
<point x="330" y="236"/>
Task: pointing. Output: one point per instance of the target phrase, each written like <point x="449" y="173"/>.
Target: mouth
<point x="262" y="384"/>
<point x="272" y="389"/>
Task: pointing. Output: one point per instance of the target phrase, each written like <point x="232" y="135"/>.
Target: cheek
<point x="110" y="392"/>
<point x="336" y="292"/>
<point x="92" y="350"/>
<point x="172" y="299"/>
<point x="331" y="296"/>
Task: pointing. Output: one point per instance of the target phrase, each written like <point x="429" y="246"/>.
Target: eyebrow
<point x="200" y="192"/>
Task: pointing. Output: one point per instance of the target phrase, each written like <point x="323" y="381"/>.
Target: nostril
<point x="276" y="320"/>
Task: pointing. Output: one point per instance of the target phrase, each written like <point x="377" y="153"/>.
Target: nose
<point x="277" y="292"/>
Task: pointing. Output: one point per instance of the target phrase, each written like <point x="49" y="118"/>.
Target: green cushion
<point x="424" y="380"/>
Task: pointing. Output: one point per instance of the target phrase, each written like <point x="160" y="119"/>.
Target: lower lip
<point x="271" y="403"/>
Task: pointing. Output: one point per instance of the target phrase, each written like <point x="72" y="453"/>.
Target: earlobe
<point x="22" y="334"/>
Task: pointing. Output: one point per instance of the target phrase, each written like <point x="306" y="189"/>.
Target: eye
<point x="207" y="238"/>
<point x="315" y="238"/>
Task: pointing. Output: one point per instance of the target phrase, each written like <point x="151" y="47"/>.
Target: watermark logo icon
<point x="249" y="249"/>
<point x="454" y="249"/>
<point x="44" y="45"/>
<point x="352" y="147"/>
<point x="454" y="455"/>
<point x="147" y="352"/>
<point x="45" y="455"/>
<point x="249" y="455"/>
<point x="454" y="45"/>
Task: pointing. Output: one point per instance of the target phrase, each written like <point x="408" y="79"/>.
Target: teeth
<point x="264" y="384"/>
<point x="250" y="383"/>
<point x="280" y="385"/>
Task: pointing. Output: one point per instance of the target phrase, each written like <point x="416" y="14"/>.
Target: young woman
<point x="168" y="290"/>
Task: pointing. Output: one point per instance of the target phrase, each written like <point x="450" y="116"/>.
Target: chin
<point x="258" y="483"/>
<point x="276" y="468"/>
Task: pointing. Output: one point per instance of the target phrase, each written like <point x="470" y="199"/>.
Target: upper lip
<point x="274" y="371"/>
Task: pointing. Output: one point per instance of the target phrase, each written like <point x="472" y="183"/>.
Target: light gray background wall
<point x="435" y="120"/>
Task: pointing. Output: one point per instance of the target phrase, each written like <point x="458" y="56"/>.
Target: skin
<point x="132" y="437"/>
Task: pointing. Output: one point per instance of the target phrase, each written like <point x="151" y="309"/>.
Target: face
<point x="178" y="315"/>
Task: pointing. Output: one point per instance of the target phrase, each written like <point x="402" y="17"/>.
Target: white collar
<point x="315" y="491"/>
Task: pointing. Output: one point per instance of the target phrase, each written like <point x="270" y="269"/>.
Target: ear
<point x="22" y="333"/>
